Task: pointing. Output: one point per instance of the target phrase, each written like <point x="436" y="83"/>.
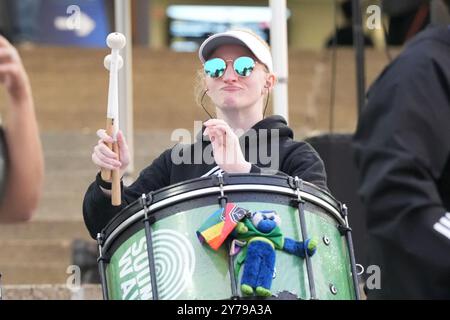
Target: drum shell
<point x="187" y="269"/>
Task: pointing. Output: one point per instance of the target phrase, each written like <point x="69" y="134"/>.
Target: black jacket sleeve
<point x="402" y="145"/>
<point x="97" y="208"/>
<point x="306" y="163"/>
<point x="302" y="161"/>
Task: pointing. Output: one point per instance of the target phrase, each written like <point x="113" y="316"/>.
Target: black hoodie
<point x="184" y="162"/>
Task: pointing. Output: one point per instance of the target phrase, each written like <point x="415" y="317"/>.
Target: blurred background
<point x="70" y="86"/>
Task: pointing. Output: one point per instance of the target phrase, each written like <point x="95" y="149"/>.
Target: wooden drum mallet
<point x="113" y="62"/>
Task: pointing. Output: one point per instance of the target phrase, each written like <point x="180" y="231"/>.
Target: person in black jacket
<point x="402" y="148"/>
<point x="237" y="78"/>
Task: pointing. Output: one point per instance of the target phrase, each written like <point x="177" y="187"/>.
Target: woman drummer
<point x="237" y="77"/>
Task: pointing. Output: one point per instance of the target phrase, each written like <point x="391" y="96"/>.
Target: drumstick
<point x="111" y="114"/>
<point x="113" y="62"/>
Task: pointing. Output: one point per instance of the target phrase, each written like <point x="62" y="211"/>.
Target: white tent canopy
<point x="220" y="14"/>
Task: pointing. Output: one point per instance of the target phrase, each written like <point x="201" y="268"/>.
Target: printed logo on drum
<point x="261" y="146"/>
<point x="234" y="212"/>
<point x="238" y="213"/>
<point x="134" y="270"/>
<point x="174" y="263"/>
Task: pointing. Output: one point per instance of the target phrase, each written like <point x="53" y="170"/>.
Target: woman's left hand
<point x="226" y="148"/>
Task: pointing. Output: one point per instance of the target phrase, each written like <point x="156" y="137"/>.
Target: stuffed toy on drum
<point x="261" y="235"/>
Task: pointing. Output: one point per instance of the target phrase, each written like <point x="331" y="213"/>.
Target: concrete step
<point x="51" y="292"/>
<point x="59" y="207"/>
<point x="39" y="251"/>
<point x="34" y="251"/>
<point x="51" y="261"/>
<point x="35" y="273"/>
<point x="56" y="230"/>
<point x="35" y="261"/>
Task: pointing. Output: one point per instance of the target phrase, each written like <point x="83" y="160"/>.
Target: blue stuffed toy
<point x="262" y="235"/>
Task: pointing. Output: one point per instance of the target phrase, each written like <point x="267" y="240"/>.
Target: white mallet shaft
<point x="113" y="63"/>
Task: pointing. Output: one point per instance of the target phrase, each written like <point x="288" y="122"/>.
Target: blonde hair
<point x="199" y="86"/>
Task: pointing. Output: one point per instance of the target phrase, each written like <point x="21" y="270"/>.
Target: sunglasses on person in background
<point x="215" y="68"/>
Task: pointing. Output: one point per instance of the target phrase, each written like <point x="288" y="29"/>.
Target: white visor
<point x="240" y="37"/>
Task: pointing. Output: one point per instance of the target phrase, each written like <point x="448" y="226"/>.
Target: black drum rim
<point x="211" y="181"/>
<point x="125" y="219"/>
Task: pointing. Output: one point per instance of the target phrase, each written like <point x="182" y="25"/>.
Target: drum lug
<point x="100" y="241"/>
<point x="297" y="185"/>
<point x="333" y="289"/>
<point x="290" y="181"/>
<point x="146" y="200"/>
<point x="344" y="212"/>
<point x="326" y="240"/>
<point x="343" y="229"/>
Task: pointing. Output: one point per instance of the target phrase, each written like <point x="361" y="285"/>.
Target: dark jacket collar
<point x="268" y="123"/>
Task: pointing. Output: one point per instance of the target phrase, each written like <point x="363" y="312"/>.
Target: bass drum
<point x="186" y="269"/>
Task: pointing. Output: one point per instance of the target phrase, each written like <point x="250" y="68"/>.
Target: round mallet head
<point x="116" y="40"/>
<point x="107" y="61"/>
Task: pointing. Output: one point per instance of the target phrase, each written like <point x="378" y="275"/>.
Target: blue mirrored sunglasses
<point x="215" y="68"/>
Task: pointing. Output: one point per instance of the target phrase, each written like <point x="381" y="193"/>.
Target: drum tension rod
<point x="222" y="198"/>
<point x="223" y="203"/>
<point x="347" y="231"/>
<point x="101" y="265"/>
<point x="343" y="229"/>
<point x="298" y="186"/>
<point x="146" y="201"/>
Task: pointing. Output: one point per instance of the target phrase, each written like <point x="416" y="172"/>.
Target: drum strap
<point x="146" y="201"/>
<point x="298" y="186"/>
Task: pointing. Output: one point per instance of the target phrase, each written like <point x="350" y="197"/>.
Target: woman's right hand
<point x="103" y="157"/>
